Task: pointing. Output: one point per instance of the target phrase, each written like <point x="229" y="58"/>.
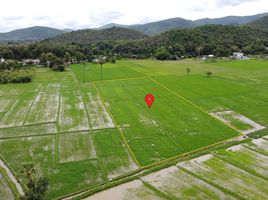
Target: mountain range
<point x="37" y="33"/>
<point x="155" y="28"/>
<point x="31" y="34"/>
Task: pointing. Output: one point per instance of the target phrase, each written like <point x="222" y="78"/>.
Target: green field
<point x="84" y="134"/>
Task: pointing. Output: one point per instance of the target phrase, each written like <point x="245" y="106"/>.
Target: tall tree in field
<point x="209" y="74"/>
<point x="36" y="186"/>
<point x="67" y="59"/>
<point x="188" y="70"/>
<point x="102" y="61"/>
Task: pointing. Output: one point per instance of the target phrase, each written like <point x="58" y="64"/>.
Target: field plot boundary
<point x="118" y="128"/>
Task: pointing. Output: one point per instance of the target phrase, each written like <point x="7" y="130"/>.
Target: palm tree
<point x="101" y="62"/>
<point x="209" y="74"/>
<point x="188" y="70"/>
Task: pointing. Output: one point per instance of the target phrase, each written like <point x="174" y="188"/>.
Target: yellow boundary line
<point x="118" y="128"/>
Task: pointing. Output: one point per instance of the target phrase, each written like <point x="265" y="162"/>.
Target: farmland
<point x="237" y="172"/>
<point x="82" y="132"/>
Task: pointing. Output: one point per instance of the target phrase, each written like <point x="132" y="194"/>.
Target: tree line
<point x="218" y="40"/>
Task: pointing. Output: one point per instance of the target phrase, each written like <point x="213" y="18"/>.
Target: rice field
<point x="222" y="174"/>
<point x="81" y="134"/>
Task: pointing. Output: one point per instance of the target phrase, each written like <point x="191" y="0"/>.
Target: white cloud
<point x="93" y="13"/>
<point x="221" y="3"/>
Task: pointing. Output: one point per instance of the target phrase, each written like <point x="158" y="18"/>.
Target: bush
<point x="16" y="75"/>
<point x="58" y="68"/>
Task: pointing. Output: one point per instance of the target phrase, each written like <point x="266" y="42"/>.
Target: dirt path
<point x="12" y="178"/>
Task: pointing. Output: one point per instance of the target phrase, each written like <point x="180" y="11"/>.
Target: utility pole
<point x="101" y="71"/>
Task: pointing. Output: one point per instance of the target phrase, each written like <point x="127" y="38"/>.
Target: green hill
<point x="219" y="40"/>
<point x="89" y="36"/>
<point x="261" y="23"/>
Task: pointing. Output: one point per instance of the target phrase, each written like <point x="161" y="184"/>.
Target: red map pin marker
<point x="149" y="99"/>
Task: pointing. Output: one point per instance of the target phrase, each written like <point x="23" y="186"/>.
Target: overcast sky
<point x="78" y="14"/>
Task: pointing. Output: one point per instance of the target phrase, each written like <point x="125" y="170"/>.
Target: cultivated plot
<point x="6" y="102"/>
<point x="247" y="159"/>
<point x="73" y="116"/>
<point x="37" y="150"/>
<point x="46" y="75"/>
<point x="242" y="183"/>
<point x="75" y="146"/>
<point x="11" y="90"/>
<point x="98" y="115"/>
<point x="176" y="183"/>
<point x="172" y="126"/>
<point x="222" y="94"/>
<point x="237" y="121"/>
<point x="44" y="108"/>
<point x="38" y="129"/>
<point x="112" y="153"/>
<point x="50" y="87"/>
<point x="260" y="145"/>
<point x="17" y="113"/>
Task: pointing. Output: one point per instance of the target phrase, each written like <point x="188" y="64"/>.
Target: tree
<point x="43" y="59"/>
<point x="56" y="64"/>
<point x="188" y="70"/>
<point x="162" y="53"/>
<point x="209" y="74"/>
<point x="67" y="59"/>
<point x="199" y="50"/>
<point x="102" y="61"/>
<point x="37" y="187"/>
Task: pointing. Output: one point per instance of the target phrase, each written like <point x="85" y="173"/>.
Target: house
<point x="96" y="61"/>
<point x="33" y="61"/>
<point x="205" y="57"/>
<point x="239" y="56"/>
<point x="211" y="56"/>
